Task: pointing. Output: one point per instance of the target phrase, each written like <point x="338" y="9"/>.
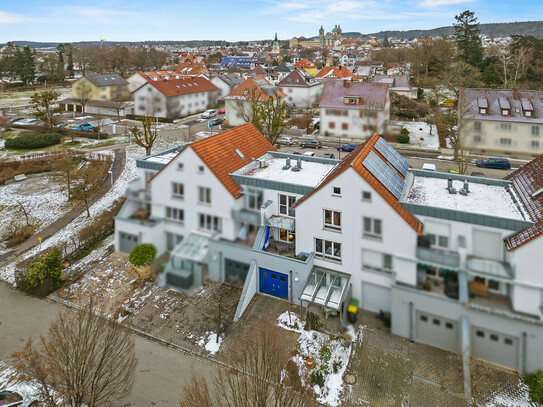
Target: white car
<point x="429" y="167"/>
<point x="285" y="140"/>
<point x="13" y="399"/>
<point x="309" y="153"/>
<point x="208" y="114"/>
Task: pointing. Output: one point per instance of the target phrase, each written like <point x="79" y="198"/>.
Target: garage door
<point x="494" y="347"/>
<point x="235" y="272"/>
<point x="488" y="245"/>
<point x="375" y="297"/>
<point x="437" y="331"/>
<point x="127" y="242"/>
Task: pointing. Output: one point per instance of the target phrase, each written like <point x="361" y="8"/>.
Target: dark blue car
<point x="347" y="147"/>
<point x="499" y="163"/>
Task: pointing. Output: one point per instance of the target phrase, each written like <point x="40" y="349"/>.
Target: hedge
<point x="534" y="381"/>
<point x="33" y="141"/>
<point x="142" y="255"/>
<point x="403" y="138"/>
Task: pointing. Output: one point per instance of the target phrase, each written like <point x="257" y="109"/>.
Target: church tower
<point x="276" y="49"/>
<point x="321" y="37"/>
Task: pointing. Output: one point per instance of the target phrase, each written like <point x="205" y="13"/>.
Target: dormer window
<point x="528" y="113"/>
<point x="482" y="110"/>
<point x="505" y="112"/>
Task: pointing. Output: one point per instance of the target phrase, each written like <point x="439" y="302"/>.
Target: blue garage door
<point x="273" y="283"/>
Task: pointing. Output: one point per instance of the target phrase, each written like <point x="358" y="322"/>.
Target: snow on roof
<point x="162" y="159"/>
<point x="482" y="199"/>
<point x="311" y="174"/>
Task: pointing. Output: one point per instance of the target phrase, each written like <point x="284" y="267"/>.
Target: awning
<point x="489" y="268"/>
<point x="326" y="287"/>
<point x="193" y="247"/>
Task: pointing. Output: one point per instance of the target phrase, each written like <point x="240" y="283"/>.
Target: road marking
<point x="427" y="381"/>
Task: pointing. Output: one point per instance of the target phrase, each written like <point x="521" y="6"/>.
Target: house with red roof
<point x="353" y="109"/>
<point x="448" y="260"/>
<point x="332" y="73"/>
<point x="175" y="98"/>
<point x="301" y="89"/>
<point x="239" y="102"/>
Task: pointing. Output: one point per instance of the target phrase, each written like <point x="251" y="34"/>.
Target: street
<point x="160" y="374"/>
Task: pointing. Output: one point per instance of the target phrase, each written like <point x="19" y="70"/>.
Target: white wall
<point x="149" y="101"/>
<point x="302" y="97"/>
<point x="398" y="238"/>
<point x="527" y="295"/>
<point x="222" y="85"/>
<point x="233" y="113"/>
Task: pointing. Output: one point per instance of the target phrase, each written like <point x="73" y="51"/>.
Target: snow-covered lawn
<point x="8" y="381"/>
<point x="419" y="135"/>
<point x="330" y="357"/>
<point x="520" y="399"/>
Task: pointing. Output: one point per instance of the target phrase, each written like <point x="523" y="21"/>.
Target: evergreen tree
<point x="27" y="65"/>
<point x="386" y="42"/>
<point x="469" y="44"/>
<point x="491" y="76"/>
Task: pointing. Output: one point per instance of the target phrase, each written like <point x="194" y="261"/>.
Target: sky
<point x="237" y="20"/>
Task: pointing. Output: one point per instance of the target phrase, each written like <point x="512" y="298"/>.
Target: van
<point x="208" y="114"/>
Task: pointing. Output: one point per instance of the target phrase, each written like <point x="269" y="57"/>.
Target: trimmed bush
<point x="142" y="255"/>
<point x="534" y="381"/>
<point x="47" y="266"/>
<point x="403" y="138"/>
<point x="32" y="141"/>
<point x="405" y="131"/>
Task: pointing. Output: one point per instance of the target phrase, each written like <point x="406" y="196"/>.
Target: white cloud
<point x="10" y="18"/>
<point x="436" y="3"/>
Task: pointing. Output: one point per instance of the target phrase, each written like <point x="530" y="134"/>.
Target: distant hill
<point x="534" y="28"/>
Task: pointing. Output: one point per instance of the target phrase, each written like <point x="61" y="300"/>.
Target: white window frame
<point x="334" y="246"/>
<point x="376" y="227"/>
<point x="209" y="223"/>
<point x="175" y="214"/>
<point x="368" y="198"/>
<point x="204" y="195"/>
<point x="255" y="199"/>
<point x="176" y="186"/>
<point x="285" y="209"/>
<point x="332" y="225"/>
<point x="336" y="193"/>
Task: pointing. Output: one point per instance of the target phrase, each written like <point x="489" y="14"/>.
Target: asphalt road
<point x="161" y="371"/>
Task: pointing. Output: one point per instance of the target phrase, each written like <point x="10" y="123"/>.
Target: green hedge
<point x="142" y="255"/>
<point x="534" y="381"/>
<point x="403" y="138"/>
<point x="32" y="141"/>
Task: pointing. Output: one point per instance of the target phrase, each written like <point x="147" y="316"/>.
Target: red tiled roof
<point x="305" y="63"/>
<point x="219" y="155"/>
<point x="191" y="68"/>
<point x="334" y="71"/>
<point x="250" y="85"/>
<point x="183" y="86"/>
<point x="354" y="160"/>
<point x="527" y="180"/>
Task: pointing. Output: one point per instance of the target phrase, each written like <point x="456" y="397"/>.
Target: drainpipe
<point x="523" y="354"/>
<point x="411" y="322"/>
<point x="291" y="288"/>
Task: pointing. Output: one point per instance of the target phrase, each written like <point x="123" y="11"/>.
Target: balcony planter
<point x="427" y="286"/>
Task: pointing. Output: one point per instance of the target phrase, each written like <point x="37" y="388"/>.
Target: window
<point x="493" y="337"/>
<point x="254" y="199"/>
<point x="201" y="169"/>
<point x="372" y="227"/>
<point x="482" y="110"/>
<point x="286" y="235"/>
<point x="332" y="125"/>
<point x="387" y="261"/>
<point x="505" y="141"/>
<point x="448" y="325"/>
<point x="204" y="195"/>
<point x="178" y="190"/>
<point x="327" y="249"/>
<point x="505" y="126"/>
<point x="477" y="126"/>
<point x="443" y="241"/>
<point x="505" y="112"/>
<point x="535" y="144"/>
<point x="336" y="191"/>
<point x="436" y="322"/>
<point x="480" y="334"/>
<point x="535" y="130"/>
<point x="332" y="219"/>
<point x="344" y="126"/>
<point x="239" y="153"/>
<point x="208" y="222"/>
<point x="175" y="214"/>
<point x="180" y="166"/>
<point x="494" y="285"/>
<point x="376" y="261"/>
<point x="286" y="202"/>
<point x="477" y="139"/>
<point x="462" y="241"/>
<point x="438" y="241"/>
<point x="508" y="341"/>
<point x="172" y="240"/>
<point x="424" y="318"/>
<point x="366" y="196"/>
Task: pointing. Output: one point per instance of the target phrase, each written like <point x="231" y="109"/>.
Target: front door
<point x="273" y="283"/>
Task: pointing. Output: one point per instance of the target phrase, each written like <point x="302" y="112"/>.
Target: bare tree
<point x="25" y="212"/>
<point x="254" y="96"/>
<point x="146" y="138"/>
<point x="269" y="118"/>
<point x="258" y="380"/>
<point x="66" y="167"/>
<point x="117" y="106"/>
<point x="83" y="360"/>
<point x="88" y="182"/>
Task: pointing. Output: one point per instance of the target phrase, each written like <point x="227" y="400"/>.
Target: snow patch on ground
<point x="521" y="399"/>
<point x="419" y="135"/>
<point x="8" y="381"/>
<point x="329" y="356"/>
<point x="209" y="342"/>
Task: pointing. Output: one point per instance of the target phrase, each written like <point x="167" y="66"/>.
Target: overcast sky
<point x="234" y="20"/>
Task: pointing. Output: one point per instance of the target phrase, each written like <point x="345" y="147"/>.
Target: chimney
<point x="287" y="165"/>
<point x="515" y="94"/>
<point x="466" y="185"/>
<point x="299" y="163"/>
<point x="452" y="190"/>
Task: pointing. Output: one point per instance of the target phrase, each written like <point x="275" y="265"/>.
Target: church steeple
<point x="275" y="37"/>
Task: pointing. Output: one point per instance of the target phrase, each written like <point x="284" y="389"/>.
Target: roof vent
<point x="263" y="163"/>
<point x="537" y="192"/>
<point x="450" y="188"/>
<point x="287" y="165"/>
<point x="298" y="165"/>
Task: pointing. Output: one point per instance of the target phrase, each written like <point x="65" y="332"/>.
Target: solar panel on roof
<point x="392" y="156"/>
<point x="384" y="174"/>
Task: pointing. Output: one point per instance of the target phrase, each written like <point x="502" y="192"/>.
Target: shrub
<point x="32" y="141"/>
<point x="405" y="131"/>
<point x="312" y="321"/>
<point x="17" y="232"/>
<point x="142" y="255"/>
<point x="403" y="138"/>
<point x="317" y="378"/>
<point x="534" y="381"/>
<point x="47" y="266"/>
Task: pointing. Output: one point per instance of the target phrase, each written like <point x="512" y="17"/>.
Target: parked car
<point x="311" y="144"/>
<point x="16" y="120"/>
<point x="328" y="155"/>
<point x="285" y="140"/>
<point x="347" y="147"/>
<point x="309" y="153"/>
<point x="293" y="152"/>
<point x="478" y="174"/>
<point x="82" y="126"/>
<point x="222" y="111"/>
<point x="493" y="162"/>
<point x="208" y="114"/>
<point x="12" y="399"/>
<point x="429" y="167"/>
<point x="217" y="121"/>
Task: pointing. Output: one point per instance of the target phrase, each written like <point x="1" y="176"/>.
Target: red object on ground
<point x="309" y="363"/>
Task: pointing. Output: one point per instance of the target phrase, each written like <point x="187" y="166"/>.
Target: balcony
<point x="246" y="216"/>
<point x="442" y="258"/>
<point x="281" y="222"/>
<point x="134" y="192"/>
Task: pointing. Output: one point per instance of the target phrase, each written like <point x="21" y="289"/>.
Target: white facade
<point x="233" y="109"/>
<point x="353" y="123"/>
<point x="302" y="96"/>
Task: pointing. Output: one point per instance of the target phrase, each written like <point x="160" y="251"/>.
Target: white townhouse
<point x="175" y="98"/>
<point x="139" y="79"/>
<point x="453" y="259"/>
<point x="398" y="84"/>
<point x="301" y="89"/>
<point x="355" y="110"/>
<point x="226" y="83"/>
<point x="501" y="121"/>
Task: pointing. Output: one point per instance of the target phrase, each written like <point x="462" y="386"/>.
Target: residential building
<point x="191" y="69"/>
<point x="355" y="110"/>
<point x="330" y="72"/>
<point x="239" y="102"/>
<point x="396" y="84"/>
<point x="307" y="66"/>
<point x="495" y="121"/>
<point x="101" y="87"/>
<point x="238" y="61"/>
<point x="175" y="98"/>
<point x="301" y="89"/>
<point x="453" y="258"/>
<point x="141" y="78"/>
<point x="226" y="83"/>
<point x="284" y="69"/>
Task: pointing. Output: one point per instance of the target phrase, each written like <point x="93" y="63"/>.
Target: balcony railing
<point x="245" y="215"/>
<point x="281" y="222"/>
<point x="438" y="257"/>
